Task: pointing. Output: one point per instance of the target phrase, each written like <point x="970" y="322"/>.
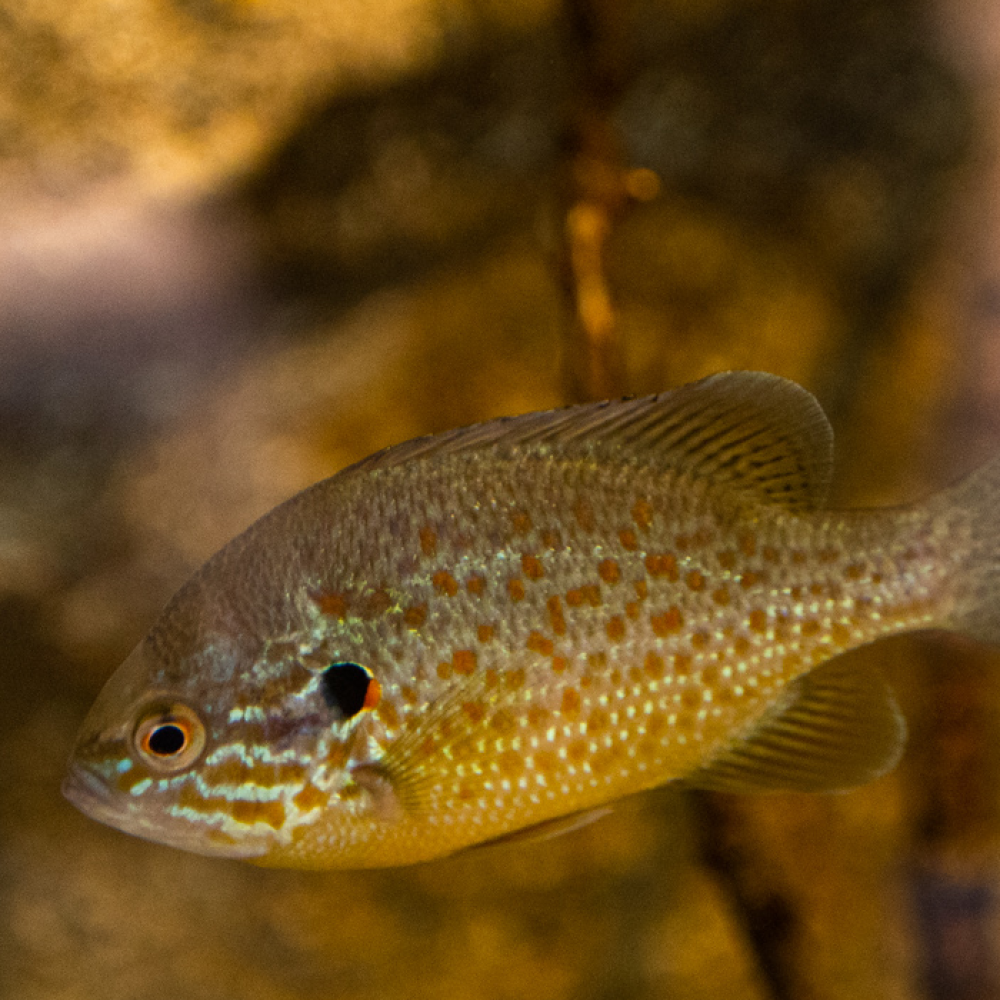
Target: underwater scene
<point x="695" y="694"/>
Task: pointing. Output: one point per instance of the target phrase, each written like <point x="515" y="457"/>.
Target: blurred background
<point x="245" y="242"/>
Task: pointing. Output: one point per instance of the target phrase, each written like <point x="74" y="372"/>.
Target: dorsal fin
<point x="841" y="728"/>
<point x="754" y="431"/>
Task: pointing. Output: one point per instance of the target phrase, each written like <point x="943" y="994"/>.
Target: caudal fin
<point x="973" y="507"/>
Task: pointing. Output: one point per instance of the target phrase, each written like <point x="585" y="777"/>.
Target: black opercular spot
<point x="166" y="740"/>
<point x="344" y="687"/>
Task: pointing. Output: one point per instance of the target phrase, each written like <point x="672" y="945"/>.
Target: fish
<point x="501" y="631"/>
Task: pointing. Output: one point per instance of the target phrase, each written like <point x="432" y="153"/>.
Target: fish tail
<point x="975" y="502"/>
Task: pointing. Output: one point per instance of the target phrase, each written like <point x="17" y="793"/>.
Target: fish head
<point x="212" y="748"/>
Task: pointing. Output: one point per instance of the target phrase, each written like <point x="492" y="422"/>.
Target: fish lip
<point x="92" y="796"/>
<point x="86" y="790"/>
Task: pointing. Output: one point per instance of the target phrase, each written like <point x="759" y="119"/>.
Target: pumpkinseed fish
<point x="511" y="626"/>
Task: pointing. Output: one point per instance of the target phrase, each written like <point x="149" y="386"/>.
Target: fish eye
<point x="169" y="738"/>
<point x="349" y="688"/>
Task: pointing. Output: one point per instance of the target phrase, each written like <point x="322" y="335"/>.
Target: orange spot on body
<point x="464" y="661"/>
<point x="670" y="621"/>
<point x="810" y="627"/>
<point x="641" y="589"/>
<point x="445" y="583"/>
<point x="615" y="628"/>
<point x="539" y="644"/>
<point x="632" y="609"/>
<point x="695" y="580"/>
<point x="577" y="751"/>
<point x="415" y="615"/>
<point x="642" y="514"/>
<point x="502" y="722"/>
<point x="721" y="596"/>
<point x="840" y="634"/>
<point x="584" y="514"/>
<point x="558" y="664"/>
<point x="570" y="702"/>
<point x="727" y="559"/>
<point x="854" y="572"/>
<point x="557" y="621"/>
<point x="574" y="598"/>
<point x="628" y="539"/>
<point x="770" y="554"/>
<point x="514" y="679"/>
<point x="484" y="633"/>
<point x="791" y="663"/>
<point x="609" y="571"/>
<point x="546" y="761"/>
<point x="662" y="565"/>
<point x="682" y="664"/>
<point x="510" y="763"/>
<point x="474" y="711"/>
<point x="408" y="695"/>
<point x="310" y="798"/>
<point x="516" y="590"/>
<point x="598" y="720"/>
<point x="749" y="579"/>
<point x="828" y="555"/>
<point x="521" y="522"/>
<point x="551" y="538"/>
<point x="444" y="670"/>
<point x="532" y="567"/>
<point x="537" y="716"/>
<point x="475" y="585"/>
<point x="691" y="698"/>
<point x="757" y="620"/>
<point x="591" y="594"/>
<point x="699" y="639"/>
<point x="653" y="665"/>
<point x="376" y="603"/>
<point x="748" y="544"/>
<point x="428" y="540"/>
<point x="334" y="605"/>
<point x="798" y="558"/>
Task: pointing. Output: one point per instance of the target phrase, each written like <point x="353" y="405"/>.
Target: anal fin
<point x="839" y="728"/>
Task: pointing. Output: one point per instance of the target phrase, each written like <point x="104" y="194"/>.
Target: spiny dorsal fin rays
<point x="755" y="432"/>
<point x="839" y="728"/>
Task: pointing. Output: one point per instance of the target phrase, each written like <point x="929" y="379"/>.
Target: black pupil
<point x="344" y="687"/>
<point x="166" y="740"/>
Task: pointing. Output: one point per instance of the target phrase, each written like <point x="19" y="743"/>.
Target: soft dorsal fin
<point x="841" y="728"/>
<point x="754" y="431"/>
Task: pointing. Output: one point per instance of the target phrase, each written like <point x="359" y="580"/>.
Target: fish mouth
<point x="89" y="794"/>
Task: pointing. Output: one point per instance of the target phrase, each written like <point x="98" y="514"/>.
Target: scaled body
<point x="499" y="627"/>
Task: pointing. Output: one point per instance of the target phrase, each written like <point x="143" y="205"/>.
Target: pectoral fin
<point x="839" y="728"/>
